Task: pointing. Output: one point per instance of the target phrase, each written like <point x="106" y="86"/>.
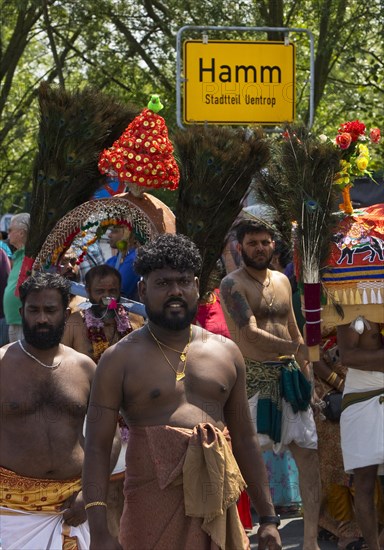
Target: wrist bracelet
<point x="95" y="503"/>
<point x="297" y="349"/>
<point x="275" y="520"/>
<point x="331" y="378"/>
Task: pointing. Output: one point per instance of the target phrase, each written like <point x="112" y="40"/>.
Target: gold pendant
<point x="180" y="376"/>
<point x="183" y="357"/>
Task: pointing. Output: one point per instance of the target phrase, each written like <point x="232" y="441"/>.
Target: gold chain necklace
<point x="270" y="282"/>
<point x="53" y="366"/>
<point x="183" y="354"/>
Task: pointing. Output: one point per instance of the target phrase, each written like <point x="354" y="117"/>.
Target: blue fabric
<point x="129" y="278"/>
<point x="283" y="478"/>
<point x="6" y="249"/>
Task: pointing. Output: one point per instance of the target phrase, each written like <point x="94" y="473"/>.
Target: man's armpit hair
<point x="235" y="303"/>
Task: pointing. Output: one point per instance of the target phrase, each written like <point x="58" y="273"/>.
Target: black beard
<point x="175" y="324"/>
<point x="71" y="276"/>
<point x="47" y="340"/>
<point x="249" y="262"/>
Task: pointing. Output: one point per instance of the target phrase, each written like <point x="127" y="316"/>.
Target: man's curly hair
<point x="168" y="250"/>
<point x="45" y="281"/>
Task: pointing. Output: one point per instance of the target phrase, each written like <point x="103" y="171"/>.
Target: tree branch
<point x="138" y="48"/>
<point x="90" y="62"/>
<point x="25" y="21"/>
<point x="52" y="43"/>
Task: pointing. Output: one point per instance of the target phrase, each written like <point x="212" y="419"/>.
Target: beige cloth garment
<point x="209" y="459"/>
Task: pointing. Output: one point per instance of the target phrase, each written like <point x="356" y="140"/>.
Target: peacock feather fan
<point x="299" y="185"/>
<point x="308" y="168"/>
<point x="217" y="165"/>
<point x="270" y="189"/>
<point x="74" y="128"/>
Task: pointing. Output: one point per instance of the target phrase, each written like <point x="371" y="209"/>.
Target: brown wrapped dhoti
<point x="181" y="487"/>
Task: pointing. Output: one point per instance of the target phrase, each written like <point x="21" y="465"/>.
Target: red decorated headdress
<point x="143" y="155"/>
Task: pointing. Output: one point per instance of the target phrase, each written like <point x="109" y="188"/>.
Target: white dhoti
<point x="362" y="423"/>
<point x="21" y="530"/>
<point x="299" y="428"/>
<point x="31" y="517"/>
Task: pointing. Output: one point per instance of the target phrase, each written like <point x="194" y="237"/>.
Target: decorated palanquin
<point x="145" y="216"/>
<point x="354" y="276"/>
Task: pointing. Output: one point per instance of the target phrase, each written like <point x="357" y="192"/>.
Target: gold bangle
<point x="331" y="378"/>
<point x="95" y="503"/>
<point x="340" y="383"/>
<point x="297" y="349"/>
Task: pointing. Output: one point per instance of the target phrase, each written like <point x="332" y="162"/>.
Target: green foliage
<point x="127" y="49"/>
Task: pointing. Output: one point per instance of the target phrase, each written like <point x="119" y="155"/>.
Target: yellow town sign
<point x="239" y="82"/>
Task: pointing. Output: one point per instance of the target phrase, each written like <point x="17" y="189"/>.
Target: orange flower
<point x="375" y="135"/>
<point x="344" y="140"/>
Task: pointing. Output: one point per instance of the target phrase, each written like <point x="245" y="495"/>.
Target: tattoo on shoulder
<point x="237" y="306"/>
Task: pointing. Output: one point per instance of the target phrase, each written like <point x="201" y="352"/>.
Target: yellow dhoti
<point x="31" y="516"/>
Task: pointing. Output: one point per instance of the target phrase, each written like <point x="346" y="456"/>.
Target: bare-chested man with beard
<point x="45" y="387"/>
<point x="257" y="303"/>
<point x="178" y="388"/>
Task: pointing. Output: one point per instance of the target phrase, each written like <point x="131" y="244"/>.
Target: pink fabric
<point x="211" y="317"/>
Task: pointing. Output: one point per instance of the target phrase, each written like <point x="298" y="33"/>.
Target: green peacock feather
<point x="217" y="165"/>
<point x="299" y="185"/>
<point x="74" y="128"/>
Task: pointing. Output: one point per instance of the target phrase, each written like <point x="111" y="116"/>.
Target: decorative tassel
<point x="365" y="297"/>
<point x="357" y="297"/>
<point x="379" y="297"/>
<point x="351" y="297"/>
<point x="373" y="297"/>
<point x="344" y="298"/>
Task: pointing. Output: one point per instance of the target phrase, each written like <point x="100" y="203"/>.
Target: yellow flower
<point x="362" y="163"/>
<point x="342" y="179"/>
<point x="363" y="150"/>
